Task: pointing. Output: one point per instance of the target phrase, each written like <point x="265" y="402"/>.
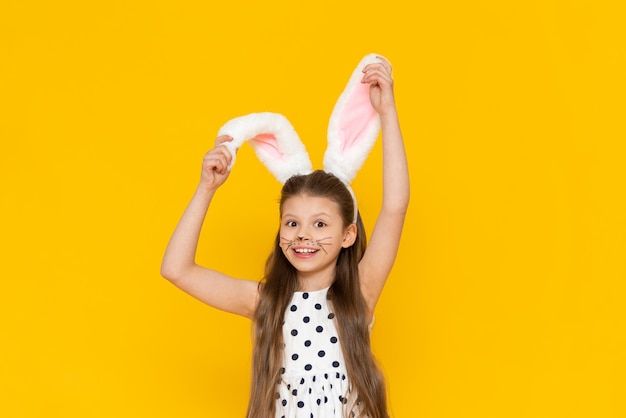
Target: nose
<point x="302" y="235"/>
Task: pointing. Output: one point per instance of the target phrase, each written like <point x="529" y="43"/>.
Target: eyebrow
<point x="316" y="215"/>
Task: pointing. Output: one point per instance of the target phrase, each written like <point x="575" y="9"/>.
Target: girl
<point x="313" y="311"/>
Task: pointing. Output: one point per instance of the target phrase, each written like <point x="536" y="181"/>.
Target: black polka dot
<point x="319" y="401"/>
<point x="325" y="375"/>
<point x="302" y="381"/>
<point x="319" y="328"/>
<point x="331" y="315"/>
<point x="282" y="370"/>
<point x="300" y="404"/>
<point x="307" y="343"/>
<point x="325" y="399"/>
<point x="318" y="306"/>
<point x="294" y="332"/>
<point x="293" y="308"/>
<point x="308" y="367"/>
<point x="294" y="392"/>
<point x="321" y="353"/>
<point x="305" y="295"/>
<point x="306" y="319"/>
<point x="284" y="402"/>
<point x="294" y="357"/>
<point x="335" y="364"/>
<point x="333" y="340"/>
<point x="314" y="378"/>
<point x="337" y="375"/>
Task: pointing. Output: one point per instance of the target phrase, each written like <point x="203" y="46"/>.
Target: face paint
<point x="312" y="243"/>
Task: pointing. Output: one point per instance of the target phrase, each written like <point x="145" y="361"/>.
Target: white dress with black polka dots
<point x="314" y="382"/>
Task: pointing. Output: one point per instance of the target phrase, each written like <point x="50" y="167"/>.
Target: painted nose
<point x="303" y="234"/>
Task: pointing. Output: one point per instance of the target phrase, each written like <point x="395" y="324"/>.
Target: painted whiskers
<point x="310" y="243"/>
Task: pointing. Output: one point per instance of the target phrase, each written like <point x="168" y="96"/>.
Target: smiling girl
<point x="313" y="310"/>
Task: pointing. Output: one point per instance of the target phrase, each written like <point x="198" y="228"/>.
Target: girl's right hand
<point x="215" y="165"/>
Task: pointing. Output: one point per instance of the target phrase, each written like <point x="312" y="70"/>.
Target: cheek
<point x="284" y="233"/>
<point x="285" y="239"/>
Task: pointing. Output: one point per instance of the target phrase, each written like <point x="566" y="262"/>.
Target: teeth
<point x="305" y="250"/>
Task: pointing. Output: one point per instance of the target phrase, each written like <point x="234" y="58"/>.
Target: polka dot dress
<point x="313" y="382"/>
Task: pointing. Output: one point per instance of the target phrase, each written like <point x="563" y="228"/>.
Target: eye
<point x="319" y="224"/>
<point x="291" y="223"/>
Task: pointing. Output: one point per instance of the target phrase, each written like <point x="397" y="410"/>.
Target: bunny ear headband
<point x="352" y="132"/>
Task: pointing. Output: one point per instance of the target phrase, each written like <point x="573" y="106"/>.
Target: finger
<point x="220" y="166"/>
<point x="220" y="148"/>
<point x="224" y="150"/>
<point x="377" y="76"/>
<point x="220" y="154"/>
<point x="385" y="66"/>
<point x="382" y="63"/>
<point x="378" y="70"/>
<point x="385" y="63"/>
<point x="223" y="138"/>
<point x="216" y="163"/>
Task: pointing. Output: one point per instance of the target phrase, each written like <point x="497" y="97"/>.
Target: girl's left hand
<point x="378" y="76"/>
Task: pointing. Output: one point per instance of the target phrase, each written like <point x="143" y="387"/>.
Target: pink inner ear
<point x="355" y="117"/>
<point x="268" y="143"/>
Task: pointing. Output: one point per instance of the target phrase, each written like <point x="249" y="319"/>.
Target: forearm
<point x="181" y="251"/>
<point x="396" y="189"/>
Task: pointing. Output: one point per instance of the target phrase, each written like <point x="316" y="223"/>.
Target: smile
<point x="305" y="250"/>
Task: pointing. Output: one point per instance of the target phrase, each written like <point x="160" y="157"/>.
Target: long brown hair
<point x="277" y="289"/>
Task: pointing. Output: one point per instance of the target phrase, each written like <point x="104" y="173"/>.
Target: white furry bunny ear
<point x="353" y="127"/>
<point x="274" y="140"/>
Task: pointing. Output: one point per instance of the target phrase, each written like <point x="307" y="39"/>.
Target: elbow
<point x="397" y="213"/>
<point x="170" y="272"/>
<point x="403" y="204"/>
<point x="167" y="273"/>
<point x="396" y="202"/>
<point x="397" y="208"/>
<point x="400" y="212"/>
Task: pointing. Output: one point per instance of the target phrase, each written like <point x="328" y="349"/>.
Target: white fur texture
<point x="285" y="157"/>
<point x="352" y="131"/>
<point x="342" y="160"/>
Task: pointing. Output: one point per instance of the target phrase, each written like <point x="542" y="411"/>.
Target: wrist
<point x="205" y="190"/>
<point x="389" y="116"/>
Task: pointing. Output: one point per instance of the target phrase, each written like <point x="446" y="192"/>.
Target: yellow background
<point x="507" y="299"/>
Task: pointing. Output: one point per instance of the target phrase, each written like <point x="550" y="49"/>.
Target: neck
<point x="310" y="282"/>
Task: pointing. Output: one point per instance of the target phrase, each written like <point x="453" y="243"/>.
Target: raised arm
<point x="383" y="245"/>
<point x="179" y="266"/>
